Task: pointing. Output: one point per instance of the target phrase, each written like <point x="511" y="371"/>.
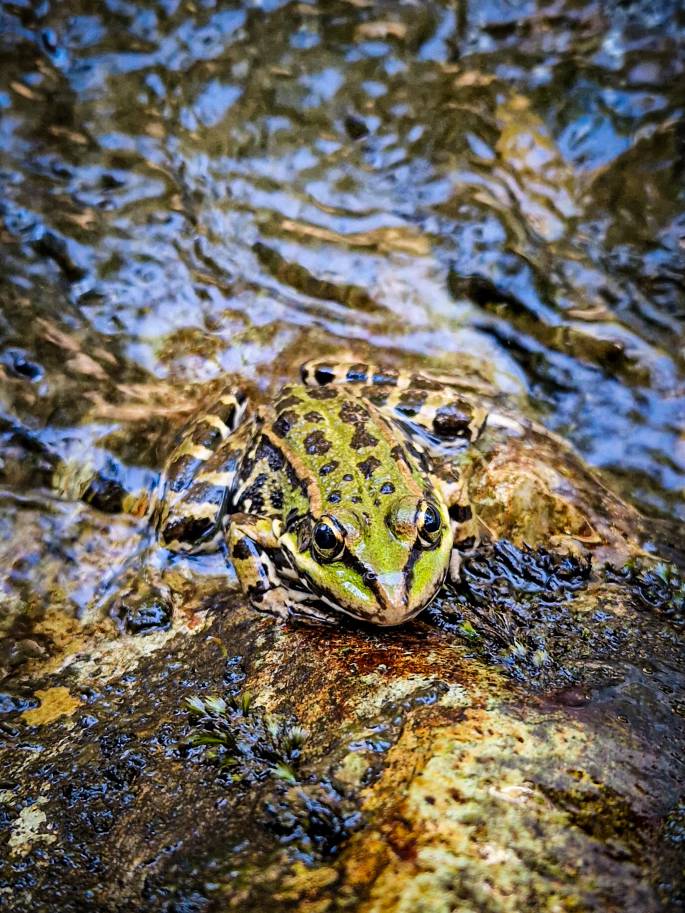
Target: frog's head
<point x="382" y="568"/>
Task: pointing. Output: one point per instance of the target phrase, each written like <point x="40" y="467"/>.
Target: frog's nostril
<point x="369" y="577"/>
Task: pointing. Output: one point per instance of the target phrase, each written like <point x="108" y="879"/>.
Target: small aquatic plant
<point x="512" y="603"/>
<point x="251" y="748"/>
<point x="246" y="743"/>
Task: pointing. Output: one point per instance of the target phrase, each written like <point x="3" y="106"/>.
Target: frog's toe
<point x="455" y="566"/>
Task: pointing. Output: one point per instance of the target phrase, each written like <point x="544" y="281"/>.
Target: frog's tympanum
<point x="345" y="495"/>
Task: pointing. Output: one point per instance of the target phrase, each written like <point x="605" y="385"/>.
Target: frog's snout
<point x="391" y="595"/>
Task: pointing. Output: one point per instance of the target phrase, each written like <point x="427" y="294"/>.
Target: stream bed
<point x="192" y="192"/>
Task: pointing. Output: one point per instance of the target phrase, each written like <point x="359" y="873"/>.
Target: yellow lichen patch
<point x="304" y="884"/>
<point x="26" y="830"/>
<point x="54" y="703"/>
<point x="62" y="629"/>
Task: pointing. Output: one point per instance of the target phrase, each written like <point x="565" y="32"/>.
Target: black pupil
<point x="431" y="520"/>
<point x="324" y="537"/>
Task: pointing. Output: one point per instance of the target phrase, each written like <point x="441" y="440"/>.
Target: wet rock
<point x="152" y="613"/>
<point x="355" y="127"/>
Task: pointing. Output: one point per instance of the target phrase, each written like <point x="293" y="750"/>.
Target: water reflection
<point x="195" y="189"/>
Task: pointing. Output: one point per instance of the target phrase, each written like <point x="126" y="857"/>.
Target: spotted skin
<point x="198" y="476"/>
<point x="431" y="405"/>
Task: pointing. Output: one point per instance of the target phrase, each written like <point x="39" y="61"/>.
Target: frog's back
<point x="326" y="446"/>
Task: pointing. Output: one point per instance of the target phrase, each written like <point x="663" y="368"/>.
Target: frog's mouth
<point x="386" y="597"/>
<point x="376" y="620"/>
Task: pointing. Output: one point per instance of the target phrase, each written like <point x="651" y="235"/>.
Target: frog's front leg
<point x="453" y="483"/>
<point x="250" y="539"/>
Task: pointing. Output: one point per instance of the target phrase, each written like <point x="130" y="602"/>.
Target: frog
<point x="346" y="496"/>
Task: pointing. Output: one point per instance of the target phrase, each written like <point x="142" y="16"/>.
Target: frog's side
<point x="337" y="498"/>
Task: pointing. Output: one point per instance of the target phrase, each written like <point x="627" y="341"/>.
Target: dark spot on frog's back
<point x="316" y="444"/>
<point x="362" y="438"/>
<point x="327" y="468"/>
<point x="460" y="512"/>
<point x="314" y="417"/>
<point x="272" y="455"/>
<point x="452" y="421"/>
<point x="387" y="488"/>
<point x="288" y="402"/>
<point x="284" y="423"/>
<point x="411" y="402"/>
<point x="324" y="374"/>
<point x="334" y="497"/>
<point x="357" y="374"/>
<point x="319" y="393"/>
<point x="368" y="466"/>
<point x="352" y="412"/>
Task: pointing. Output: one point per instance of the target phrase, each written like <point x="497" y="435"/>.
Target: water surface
<point x="190" y="190"/>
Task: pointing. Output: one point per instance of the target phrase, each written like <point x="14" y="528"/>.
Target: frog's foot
<point x="300" y="609"/>
<point x="249" y="540"/>
<point x="454" y="572"/>
<point x="291" y="605"/>
<point x="272" y="602"/>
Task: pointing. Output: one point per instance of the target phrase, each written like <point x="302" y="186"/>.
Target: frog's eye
<point x="429" y="523"/>
<point x="327" y="540"/>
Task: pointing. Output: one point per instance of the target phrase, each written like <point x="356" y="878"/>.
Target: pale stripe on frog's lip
<point x="381" y="585"/>
<point x="369" y="619"/>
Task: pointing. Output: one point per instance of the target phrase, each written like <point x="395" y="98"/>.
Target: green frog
<point x="345" y="496"/>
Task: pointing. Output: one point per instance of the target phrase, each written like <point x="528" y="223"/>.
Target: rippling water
<point x="195" y="189"/>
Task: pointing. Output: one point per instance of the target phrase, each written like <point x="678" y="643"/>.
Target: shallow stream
<point x="195" y="190"/>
